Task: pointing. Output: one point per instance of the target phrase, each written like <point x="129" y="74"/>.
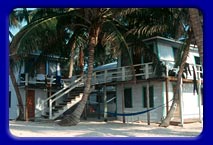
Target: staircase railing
<point x="61" y="93"/>
<point x="77" y="83"/>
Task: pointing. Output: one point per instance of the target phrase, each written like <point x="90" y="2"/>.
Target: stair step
<point x="70" y="97"/>
<point x="68" y="100"/>
<point x="59" y="106"/>
<point x="56" y="110"/>
<point x="62" y="104"/>
<point x="45" y="116"/>
<point x="74" y="94"/>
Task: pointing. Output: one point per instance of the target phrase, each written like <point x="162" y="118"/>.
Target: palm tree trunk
<point x="81" y="61"/>
<point x="71" y="60"/>
<point x="166" y="121"/>
<point x="74" y="118"/>
<point x="19" y="98"/>
<point x="197" y="30"/>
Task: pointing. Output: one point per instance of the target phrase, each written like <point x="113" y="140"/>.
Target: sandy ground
<point x="102" y="129"/>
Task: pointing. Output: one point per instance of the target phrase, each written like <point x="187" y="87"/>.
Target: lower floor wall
<point x="137" y="101"/>
<point x="36" y="107"/>
<point x="135" y="92"/>
<point x="192" y="107"/>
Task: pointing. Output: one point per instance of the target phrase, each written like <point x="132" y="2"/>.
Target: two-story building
<point x="125" y="91"/>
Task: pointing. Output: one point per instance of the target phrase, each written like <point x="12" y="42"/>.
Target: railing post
<point x="123" y="73"/>
<point x="51" y="80"/>
<point x="198" y="70"/>
<point x="167" y="70"/>
<point x="50" y="109"/>
<point x="95" y="78"/>
<point x="105" y="76"/>
<point x="26" y="79"/>
<point x="146" y="71"/>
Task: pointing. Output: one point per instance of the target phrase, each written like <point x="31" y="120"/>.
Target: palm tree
<point x="95" y="17"/>
<point x="170" y="25"/>
<point x="15" y="19"/>
<point x="197" y="32"/>
<point x="196" y="24"/>
<point x="176" y="99"/>
<point x="20" y="46"/>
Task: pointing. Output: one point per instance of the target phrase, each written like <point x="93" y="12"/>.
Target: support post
<point x="147" y="103"/>
<point x="122" y="94"/>
<point x="50" y="109"/>
<point x="26" y="95"/>
<point x="199" y="100"/>
<point x="167" y="90"/>
<point x="199" y="95"/>
<point x="105" y="104"/>
<point x="181" y="102"/>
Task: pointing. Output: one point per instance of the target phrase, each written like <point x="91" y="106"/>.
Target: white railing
<point x="188" y="72"/>
<point x="144" y="71"/>
<point x="47" y="81"/>
<point x="63" y="92"/>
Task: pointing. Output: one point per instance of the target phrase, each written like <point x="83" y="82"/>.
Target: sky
<point x="15" y="30"/>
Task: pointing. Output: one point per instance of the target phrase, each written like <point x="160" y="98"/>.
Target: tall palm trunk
<point x="166" y="121"/>
<point x="81" y="61"/>
<point x="74" y="118"/>
<point x="71" y="60"/>
<point x="197" y="30"/>
<point x="19" y="98"/>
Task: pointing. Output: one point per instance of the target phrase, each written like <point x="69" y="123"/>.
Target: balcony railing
<point x="140" y="71"/>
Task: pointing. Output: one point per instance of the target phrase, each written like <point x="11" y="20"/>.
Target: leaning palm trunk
<point x="166" y="121"/>
<point x="74" y="118"/>
<point x="197" y="30"/>
<point x="20" y="103"/>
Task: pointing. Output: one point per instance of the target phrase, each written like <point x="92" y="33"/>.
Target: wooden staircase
<point x="64" y="99"/>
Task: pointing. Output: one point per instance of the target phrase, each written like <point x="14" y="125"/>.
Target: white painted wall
<point x="13" y="110"/>
<point x="190" y="105"/>
<point x="137" y="100"/>
<point x="190" y="101"/>
<point x="40" y="96"/>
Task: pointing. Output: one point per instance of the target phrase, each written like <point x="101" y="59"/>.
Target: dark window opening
<point x="9" y="99"/>
<point x="128" y="97"/>
<point x="151" y="97"/>
<point x="197" y="60"/>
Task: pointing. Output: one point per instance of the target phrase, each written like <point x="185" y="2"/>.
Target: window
<point x="197" y="60"/>
<point x="151" y="97"/>
<point x="128" y="97"/>
<point x="9" y="99"/>
<point x="165" y="52"/>
<point x="29" y="65"/>
<point x="175" y="52"/>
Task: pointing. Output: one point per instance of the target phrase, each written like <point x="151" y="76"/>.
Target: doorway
<point x="30" y="105"/>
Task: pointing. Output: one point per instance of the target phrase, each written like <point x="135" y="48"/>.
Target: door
<point x="30" y="105"/>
